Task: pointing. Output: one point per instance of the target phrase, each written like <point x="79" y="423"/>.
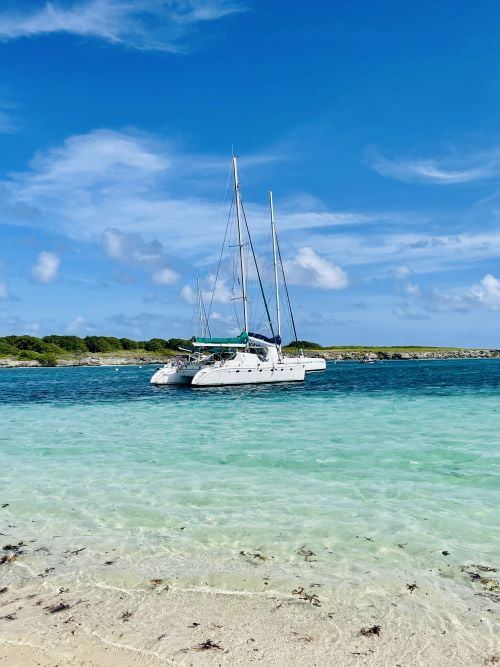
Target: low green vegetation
<point x="49" y="349"/>
<point x="362" y="349"/>
<point x="305" y="345"/>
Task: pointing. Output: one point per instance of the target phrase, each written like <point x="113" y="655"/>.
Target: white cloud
<point x="46" y="269"/>
<point x="445" y="171"/>
<point x="111" y="186"/>
<point x="165" y="276"/>
<point x="220" y="294"/>
<point x="402" y="271"/>
<point x="487" y="291"/>
<point x="429" y="253"/>
<point x="108" y="180"/>
<point x="79" y="326"/>
<point x="160" y="25"/>
<point x="188" y="294"/>
<point x="133" y="249"/>
<point x="412" y="289"/>
<point x="309" y="269"/>
<point x="459" y="300"/>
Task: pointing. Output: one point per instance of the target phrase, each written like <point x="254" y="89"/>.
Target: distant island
<point x="55" y="350"/>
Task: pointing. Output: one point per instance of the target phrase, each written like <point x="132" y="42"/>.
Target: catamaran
<point x="250" y="358"/>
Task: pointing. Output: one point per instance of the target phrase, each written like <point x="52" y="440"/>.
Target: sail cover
<point x="239" y="341"/>
<point x="276" y="340"/>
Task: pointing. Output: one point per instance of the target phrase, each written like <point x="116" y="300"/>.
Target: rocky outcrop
<point x="353" y="355"/>
<point x="90" y="360"/>
<point x="330" y="355"/>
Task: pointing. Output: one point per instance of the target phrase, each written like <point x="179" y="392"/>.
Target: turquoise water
<point x="374" y="468"/>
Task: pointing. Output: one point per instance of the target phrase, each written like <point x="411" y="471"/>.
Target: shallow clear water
<point x="374" y="468"/>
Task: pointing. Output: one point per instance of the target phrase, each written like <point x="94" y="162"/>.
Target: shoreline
<point x="364" y="355"/>
<point x="108" y="616"/>
<point x="363" y="535"/>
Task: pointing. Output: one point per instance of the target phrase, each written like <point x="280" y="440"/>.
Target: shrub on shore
<point x="68" y="343"/>
<point x="48" y="349"/>
<point x="305" y="345"/>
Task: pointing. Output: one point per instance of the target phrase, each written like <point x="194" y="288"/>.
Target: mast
<point x="201" y="322"/>
<point x="240" y="245"/>
<point x="275" y="265"/>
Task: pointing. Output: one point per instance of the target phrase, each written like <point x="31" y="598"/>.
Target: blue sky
<point x="375" y="125"/>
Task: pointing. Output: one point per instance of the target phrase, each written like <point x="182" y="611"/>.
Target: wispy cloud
<point x="127" y="191"/>
<point x="131" y="248"/>
<point x="140" y="24"/>
<point x="402" y="271"/>
<point x="439" y="171"/>
<point x="424" y="301"/>
<point x="424" y="252"/>
<point x="107" y="180"/>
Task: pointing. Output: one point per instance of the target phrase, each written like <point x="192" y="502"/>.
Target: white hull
<point x="310" y="363"/>
<point x="169" y="374"/>
<point x="235" y="369"/>
<point x="218" y="377"/>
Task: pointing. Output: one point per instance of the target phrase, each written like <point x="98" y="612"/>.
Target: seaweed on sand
<point x="256" y="555"/>
<point x="14" y="547"/>
<point x="491" y="585"/>
<point x="374" y="630"/>
<point x="8" y="558"/>
<point x="312" y="598"/>
<point x="307" y="553"/>
<point x="207" y="645"/>
<point x="156" y="583"/>
<point x="54" y="609"/>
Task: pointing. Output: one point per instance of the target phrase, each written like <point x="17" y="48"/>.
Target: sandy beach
<point x="55" y="614"/>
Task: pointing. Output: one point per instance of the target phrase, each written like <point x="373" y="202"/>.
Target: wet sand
<point x="113" y="618"/>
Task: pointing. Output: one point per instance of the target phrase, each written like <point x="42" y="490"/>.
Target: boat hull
<point x="311" y="364"/>
<point x="218" y="377"/>
<point x="169" y="375"/>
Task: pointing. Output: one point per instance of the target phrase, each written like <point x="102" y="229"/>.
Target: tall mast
<point x="275" y="264"/>
<point x="201" y="322"/>
<point x="240" y="245"/>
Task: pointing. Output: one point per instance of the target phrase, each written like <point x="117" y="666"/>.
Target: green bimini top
<point x="239" y="341"/>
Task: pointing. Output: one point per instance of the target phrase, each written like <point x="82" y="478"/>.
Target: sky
<point x="375" y="124"/>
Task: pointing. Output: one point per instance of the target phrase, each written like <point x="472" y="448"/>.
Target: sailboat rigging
<point x="249" y="358"/>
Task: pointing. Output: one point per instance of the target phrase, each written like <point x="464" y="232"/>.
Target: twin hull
<point x="230" y="373"/>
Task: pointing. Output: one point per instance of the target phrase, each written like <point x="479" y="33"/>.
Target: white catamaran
<point x="249" y="358"/>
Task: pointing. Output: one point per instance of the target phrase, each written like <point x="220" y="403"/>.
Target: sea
<point x="364" y="476"/>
